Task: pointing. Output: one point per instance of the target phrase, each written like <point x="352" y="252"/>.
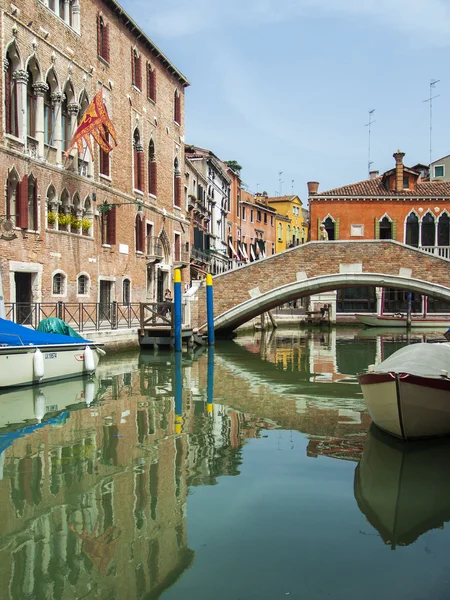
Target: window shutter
<point x="138" y="73"/>
<point x="22" y="203"/>
<point x="394" y="229"/>
<point x="133" y="70"/>
<point x="112" y="226"/>
<point x="153" y="178"/>
<point x="153" y="81"/>
<point x="8" y="100"/>
<point x="142" y="236"/>
<point x="105" y="41"/>
<point x="337" y="228"/>
<point x="99" y="35"/>
<point x="141" y="174"/>
<point x="149" y="81"/>
<point x="377" y="229"/>
<point x="35" y="205"/>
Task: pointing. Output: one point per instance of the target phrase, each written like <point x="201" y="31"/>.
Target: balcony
<point x="155" y="252"/>
<point x="199" y="256"/>
<point x="181" y="258"/>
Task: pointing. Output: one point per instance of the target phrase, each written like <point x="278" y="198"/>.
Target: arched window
<point x="138" y="155"/>
<point x="12" y="196"/>
<point x="102" y="37"/>
<point x="140" y="233"/>
<point x="11" y="93"/>
<point x="412" y="230"/>
<point x="176" y="107"/>
<point x="31" y="105"/>
<point x="428" y="230"/>
<point x="176" y="183"/>
<point x="444" y="230"/>
<point x="330" y="228"/>
<point x="64" y="211"/>
<point x="136" y="70"/>
<point x="126" y="292"/>
<point x="49" y="114"/>
<point x="83" y="285"/>
<point x="152" y="169"/>
<point x="66" y="128"/>
<point x="84" y="103"/>
<point x="280" y="232"/>
<point x="59" y="284"/>
<point x="385" y="229"/>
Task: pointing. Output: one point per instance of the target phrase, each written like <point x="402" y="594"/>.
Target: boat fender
<point x="89" y="393"/>
<point x="89" y="362"/>
<point x="38" y="364"/>
<point x="39" y="406"/>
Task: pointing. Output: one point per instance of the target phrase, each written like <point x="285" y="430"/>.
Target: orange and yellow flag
<point x="95" y="123"/>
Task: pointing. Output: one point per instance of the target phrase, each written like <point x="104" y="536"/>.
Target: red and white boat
<point x="408" y="394"/>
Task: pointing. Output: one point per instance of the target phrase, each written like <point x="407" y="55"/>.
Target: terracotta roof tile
<point x="375" y="187"/>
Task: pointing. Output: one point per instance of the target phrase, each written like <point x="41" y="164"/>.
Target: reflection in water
<point x="97" y="479"/>
<point x="403" y="488"/>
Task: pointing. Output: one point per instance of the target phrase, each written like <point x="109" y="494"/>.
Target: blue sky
<point x="286" y="85"/>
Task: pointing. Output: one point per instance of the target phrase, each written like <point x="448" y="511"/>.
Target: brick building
<point x="401" y="204"/>
<point x="56" y="57"/>
<point x="256" y="237"/>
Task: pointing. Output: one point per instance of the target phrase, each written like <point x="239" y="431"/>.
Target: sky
<point x="287" y="85"/>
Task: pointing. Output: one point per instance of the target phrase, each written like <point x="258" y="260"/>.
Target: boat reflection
<point x="403" y="488"/>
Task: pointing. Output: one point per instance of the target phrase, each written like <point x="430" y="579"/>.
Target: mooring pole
<point x="210" y="308"/>
<point x="178" y="393"/>
<point x="178" y="310"/>
<point x="408" y="314"/>
<point x="210" y="383"/>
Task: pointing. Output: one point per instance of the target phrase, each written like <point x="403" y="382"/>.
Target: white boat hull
<point x="17" y="363"/>
<point x="401" y="322"/>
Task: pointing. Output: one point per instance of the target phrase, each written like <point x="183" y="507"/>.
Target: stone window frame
<point x="59" y="273"/>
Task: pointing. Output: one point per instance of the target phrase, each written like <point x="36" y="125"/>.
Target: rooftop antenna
<point x="257" y="188"/>
<point x="369" y="125"/>
<point x="433" y="82"/>
<point x="280" y="183"/>
<point x="292" y="187"/>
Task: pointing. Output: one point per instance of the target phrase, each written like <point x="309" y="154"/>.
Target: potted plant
<point x="75" y="224"/>
<point x="85" y="225"/>
<point x="63" y="221"/>
<point x="51" y="219"/>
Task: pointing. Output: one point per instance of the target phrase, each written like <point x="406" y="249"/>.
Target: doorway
<point x="24" y="297"/>
<point x="105" y="300"/>
<point x="161" y="285"/>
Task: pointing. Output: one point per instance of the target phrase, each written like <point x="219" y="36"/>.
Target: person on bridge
<point x="323" y="233"/>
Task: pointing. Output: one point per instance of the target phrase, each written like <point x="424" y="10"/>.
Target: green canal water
<point x="249" y="472"/>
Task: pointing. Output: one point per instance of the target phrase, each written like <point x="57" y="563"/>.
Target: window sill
<point x="139" y="192"/>
<point x="103" y="60"/>
<point x="135" y="87"/>
<point x="139" y="252"/>
<point x="106" y="246"/>
<point x="177" y="207"/>
<point x="176" y="123"/>
<point x="152" y="196"/>
<point x="151" y="100"/>
<point x="13" y="138"/>
<point x="105" y="177"/>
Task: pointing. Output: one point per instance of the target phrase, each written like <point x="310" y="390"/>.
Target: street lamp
<point x="107" y="206"/>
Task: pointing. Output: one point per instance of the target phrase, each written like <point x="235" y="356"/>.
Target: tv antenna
<point x="292" y="186"/>
<point x="280" y="183"/>
<point x="369" y="125"/>
<point x="433" y="82"/>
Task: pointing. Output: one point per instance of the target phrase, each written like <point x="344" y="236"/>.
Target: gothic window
<point x="31" y="106"/>
<point x="151" y="83"/>
<point x="176" y="107"/>
<point x="139" y="233"/>
<point x="103" y="38"/>
<point x="444" y="230"/>
<point x="136" y="69"/>
<point x="176" y="183"/>
<point x="428" y="231"/>
<point x="152" y="169"/>
<point x="32" y="198"/>
<point x="412" y="230"/>
<point x="13" y="185"/>
<point x="138" y="155"/>
<point x="11" y="94"/>
<point x="385" y="229"/>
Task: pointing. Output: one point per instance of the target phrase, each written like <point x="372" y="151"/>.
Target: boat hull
<point x="408" y="406"/>
<point x="401" y="322"/>
<point x="60" y="362"/>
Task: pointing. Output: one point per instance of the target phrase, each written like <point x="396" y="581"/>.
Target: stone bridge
<point x="317" y="267"/>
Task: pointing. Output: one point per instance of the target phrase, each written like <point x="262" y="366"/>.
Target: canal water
<point x="247" y="472"/>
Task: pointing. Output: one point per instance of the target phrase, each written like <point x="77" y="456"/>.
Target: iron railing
<point x="154" y="247"/>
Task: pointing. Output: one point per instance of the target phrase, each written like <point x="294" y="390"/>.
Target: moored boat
<point x="28" y="356"/>
<point x="400" y="321"/>
<point x="408" y="394"/>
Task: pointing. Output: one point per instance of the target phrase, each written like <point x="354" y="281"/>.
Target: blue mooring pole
<point x="210" y="308"/>
<point x="178" y="384"/>
<point x="210" y="382"/>
<point x="178" y="317"/>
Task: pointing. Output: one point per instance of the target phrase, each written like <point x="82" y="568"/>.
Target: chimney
<point x="313" y="187"/>
<point x="399" y="170"/>
<point x="373" y="174"/>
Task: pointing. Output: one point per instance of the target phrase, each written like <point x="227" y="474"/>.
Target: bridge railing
<point x="442" y="251"/>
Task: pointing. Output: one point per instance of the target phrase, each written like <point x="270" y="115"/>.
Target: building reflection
<point x="403" y="489"/>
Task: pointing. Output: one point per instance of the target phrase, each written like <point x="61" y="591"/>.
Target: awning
<point x="233" y="251"/>
<point x="252" y="254"/>
<point x="241" y="251"/>
<point x="244" y="252"/>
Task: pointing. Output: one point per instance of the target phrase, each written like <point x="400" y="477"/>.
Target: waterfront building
<point x="401" y="204"/>
<point x="200" y="219"/>
<point x="101" y="228"/>
<point x="256" y="227"/>
<point x="292" y="230"/>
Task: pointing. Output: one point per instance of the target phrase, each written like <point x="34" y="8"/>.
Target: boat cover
<point x="425" y="360"/>
<point x="12" y="334"/>
<point x="55" y="325"/>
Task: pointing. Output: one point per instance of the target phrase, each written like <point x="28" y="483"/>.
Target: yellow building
<point x="291" y="221"/>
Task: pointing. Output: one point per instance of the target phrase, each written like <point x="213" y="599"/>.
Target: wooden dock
<point x="157" y="327"/>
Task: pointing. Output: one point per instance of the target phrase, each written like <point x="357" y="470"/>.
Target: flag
<point x="95" y="123"/>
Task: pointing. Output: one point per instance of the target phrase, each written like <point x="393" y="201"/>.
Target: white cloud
<point x="429" y="19"/>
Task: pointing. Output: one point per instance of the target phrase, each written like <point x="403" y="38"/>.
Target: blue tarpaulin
<point x="12" y="334"/>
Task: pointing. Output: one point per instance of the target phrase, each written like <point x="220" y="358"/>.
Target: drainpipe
<point x="2" y="299"/>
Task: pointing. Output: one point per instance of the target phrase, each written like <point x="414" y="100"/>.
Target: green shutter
<point x="337" y="228"/>
<point x="377" y="229"/>
<point x="394" y="229"/>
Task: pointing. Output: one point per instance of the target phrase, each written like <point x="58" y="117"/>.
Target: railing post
<point x="114" y="314"/>
<point x="59" y="309"/>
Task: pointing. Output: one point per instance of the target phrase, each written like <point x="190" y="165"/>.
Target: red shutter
<point x="153" y="178"/>
<point x="22" y="203"/>
<point x="35" y="205"/>
<point x="105" y="40"/>
<point x="153" y="96"/>
<point x="149" y="81"/>
<point x="8" y="100"/>
<point x="141" y="174"/>
<point x="99" y="35"/>
<point x="177" y="190"/>
<point x="136" y="169"/>
<point x="133" y="71"/>
<point x="112" y="226"/>
<point x="139" y="73"/>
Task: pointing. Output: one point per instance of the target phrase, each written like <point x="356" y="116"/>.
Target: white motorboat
<point x="408" y="394"/>
<point x="400" y="321"/>
<point x="28" y="357"/>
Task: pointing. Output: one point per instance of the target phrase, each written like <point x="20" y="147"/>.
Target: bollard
<point x="210" y="308"/>
<point x="178" y="384"/>
<point x="178" y="317"/>
<point x="210" y="382"/>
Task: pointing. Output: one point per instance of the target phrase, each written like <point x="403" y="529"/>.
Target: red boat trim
<point x="368" y="378"/>
<point x="400" y="416"/>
